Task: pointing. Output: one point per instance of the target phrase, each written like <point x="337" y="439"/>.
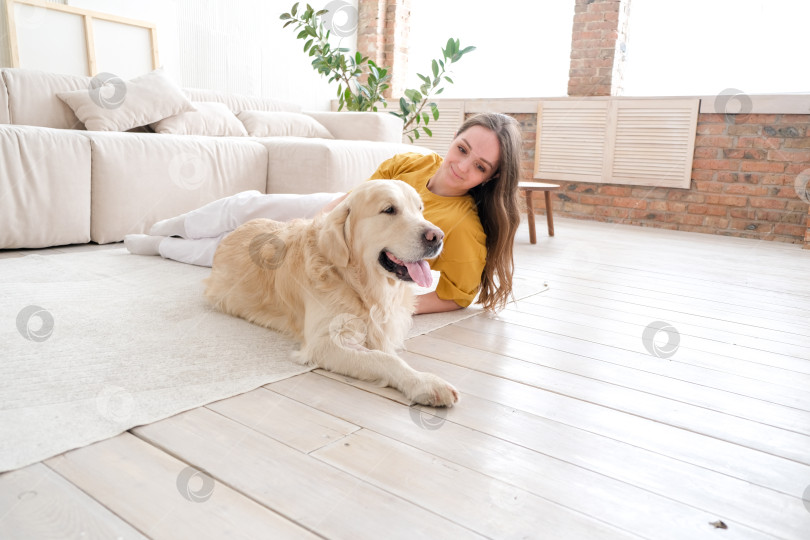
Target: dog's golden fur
<point x="323" y="283"/>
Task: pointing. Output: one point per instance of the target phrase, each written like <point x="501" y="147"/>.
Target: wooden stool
<point x="528" y="188"/>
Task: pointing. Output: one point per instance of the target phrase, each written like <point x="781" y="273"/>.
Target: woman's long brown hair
<point x="497" y="201"/>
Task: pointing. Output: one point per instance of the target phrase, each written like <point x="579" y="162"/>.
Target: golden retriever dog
<point x="338" y="284"/>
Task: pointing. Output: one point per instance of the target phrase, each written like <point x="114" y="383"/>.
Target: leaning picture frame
<point x="76" y="41"/>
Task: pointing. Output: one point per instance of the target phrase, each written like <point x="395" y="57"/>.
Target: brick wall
<point x="382" y="35"/>
<point x="371" y="30"/>
<point x="597" y="47"/>
<point x="744" y="181"/>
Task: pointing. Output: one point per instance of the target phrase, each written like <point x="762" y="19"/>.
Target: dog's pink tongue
<point x="420" y="273"/>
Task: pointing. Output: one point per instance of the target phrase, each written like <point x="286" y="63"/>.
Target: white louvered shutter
<point x="571" y="140"/>
<point x="654" y="142"/>
<point x="617" y="141"/>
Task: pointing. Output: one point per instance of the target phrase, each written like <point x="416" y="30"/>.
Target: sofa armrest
<point x="44" y="187"/>
<point x="361" y="126"/>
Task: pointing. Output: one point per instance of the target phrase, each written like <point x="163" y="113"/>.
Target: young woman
<point x="471" y="195"/>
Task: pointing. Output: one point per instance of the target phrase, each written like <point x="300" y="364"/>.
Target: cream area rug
<point x="95" y="343"/>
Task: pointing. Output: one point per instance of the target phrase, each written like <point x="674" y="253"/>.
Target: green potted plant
<point x="349" y="71"/>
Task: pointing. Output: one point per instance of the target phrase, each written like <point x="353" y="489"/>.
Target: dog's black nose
<point x="433" y="236"/>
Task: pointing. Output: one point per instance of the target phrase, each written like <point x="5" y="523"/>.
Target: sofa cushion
<point x="282" y="124"/>
<point x="32" y="98"/>
<point x="141" y="178"/>
<point x="238" y="102"/>
<point x="361" y="126"/>
<point x="210" y="119"/>
<point x="44" y="187"/>
<point x="112" y="104"/>
<point x="297" y="165"/>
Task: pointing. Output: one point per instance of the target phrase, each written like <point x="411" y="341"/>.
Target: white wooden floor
<point x="571" y="424"/>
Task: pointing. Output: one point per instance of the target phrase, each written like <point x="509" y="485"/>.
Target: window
<point x="694" y="47"/>
<point x="522" y="46"/>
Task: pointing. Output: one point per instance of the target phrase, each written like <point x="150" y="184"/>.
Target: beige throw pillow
<point x="282" y="124"/>
<point x="211" y="119"/>
<point x="112" y="104"/>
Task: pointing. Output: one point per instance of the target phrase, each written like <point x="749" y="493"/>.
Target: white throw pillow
<point x="112" y="104"/>
<point x="210" y="118"/>
<point x="282" y="124"/>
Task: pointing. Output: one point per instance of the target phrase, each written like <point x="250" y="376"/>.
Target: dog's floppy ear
<point x="332" y="240"/>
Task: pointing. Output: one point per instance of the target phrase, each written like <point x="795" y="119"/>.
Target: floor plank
<point x="296" y="425"/>
<point x="661" y="385"/>
<point x="776" y="441"/>
<point x="552" y="461"/>
<point x="548" y="423"/>
<point x="321" y="498"/>
<point x="493" y="507"/>
<point x="739" y="308"/>
<point x="721" y="342"/>
<point x="35" y="502"/>
<point x="163" y="497"/>
<point x="568" y="298"/>
<point x="685" y="445"/>
<point x="687" y="352"/>
<point x="546" y="341"/>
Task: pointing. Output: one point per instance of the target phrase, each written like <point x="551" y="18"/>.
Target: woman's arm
<point x="431" y="303"/>
<point x="330" y="206"/>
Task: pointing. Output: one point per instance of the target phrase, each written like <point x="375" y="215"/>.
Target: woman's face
<point x="471" y="159"/>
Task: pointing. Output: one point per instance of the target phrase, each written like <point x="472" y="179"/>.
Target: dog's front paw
<point x="303" y="357"/>
<point x="434" y="391"/>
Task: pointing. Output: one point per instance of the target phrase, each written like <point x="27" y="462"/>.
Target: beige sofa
<point x="62" y="184"/>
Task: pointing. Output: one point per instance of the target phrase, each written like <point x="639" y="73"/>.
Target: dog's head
<point x="380" y="227"/>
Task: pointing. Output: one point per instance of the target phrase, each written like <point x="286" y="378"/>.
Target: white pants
<point x="208" y="225"/>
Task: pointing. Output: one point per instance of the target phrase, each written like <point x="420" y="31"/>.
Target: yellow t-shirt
<point x="464" y="255"/>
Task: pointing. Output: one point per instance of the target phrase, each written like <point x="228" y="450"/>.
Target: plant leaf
<point x="451" y="47"/>
<point x="435" y="68"/>
<point x="413" y="95"/>
<point x="429" y="133"/>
